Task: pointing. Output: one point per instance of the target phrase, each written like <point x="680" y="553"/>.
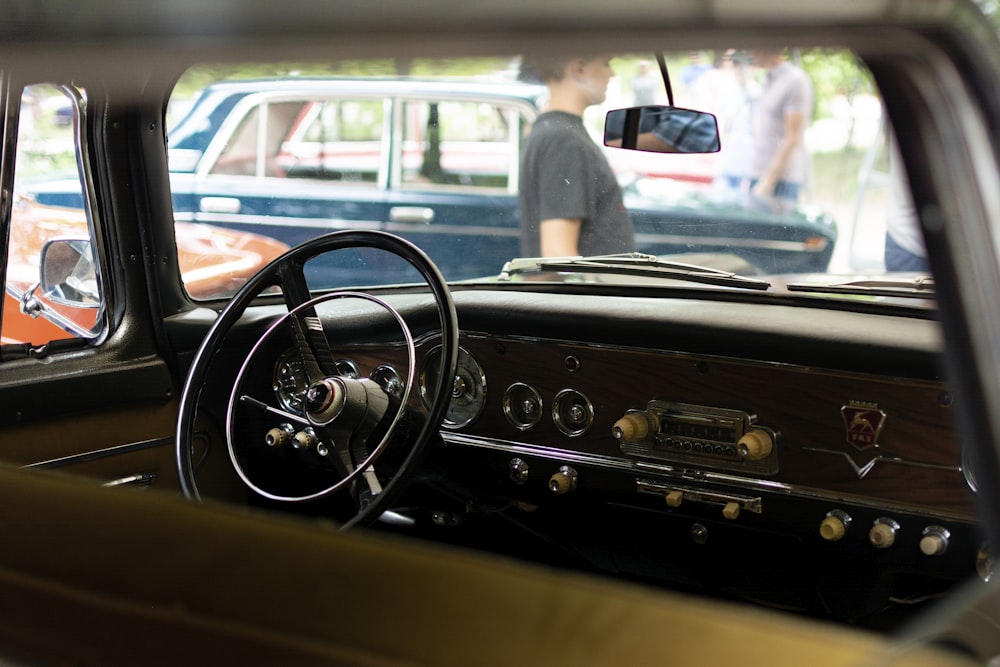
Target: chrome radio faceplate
<point x="701" y="435"/>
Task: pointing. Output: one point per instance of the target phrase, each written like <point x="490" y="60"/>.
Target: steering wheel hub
<point x="325" y="400"/>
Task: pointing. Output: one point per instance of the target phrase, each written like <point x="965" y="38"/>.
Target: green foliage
<point x="835" y="73"/>
<point x="200" y="76"/>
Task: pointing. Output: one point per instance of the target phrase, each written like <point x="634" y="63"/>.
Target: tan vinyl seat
<point x="96" y="576"/>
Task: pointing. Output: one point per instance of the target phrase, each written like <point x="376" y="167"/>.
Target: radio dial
<point x="755" y="444"/>
<point x="633" y="426"/>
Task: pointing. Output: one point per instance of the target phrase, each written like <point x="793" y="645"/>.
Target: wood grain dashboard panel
<point x="916" y="462"/>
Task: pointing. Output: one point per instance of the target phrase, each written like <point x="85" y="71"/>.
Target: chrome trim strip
<point x="139" y="479"/>
<point x="325" y="224"/>
<point x="862" y="471"/>
<point x="100" y="453"/>
<point x="695" y="495"/>
<point x="690" y="475"/>
<point x="463" y="230"/>
<point x="330" y="224"/>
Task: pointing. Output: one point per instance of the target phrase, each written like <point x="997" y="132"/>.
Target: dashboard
<point x="803" y="458"/>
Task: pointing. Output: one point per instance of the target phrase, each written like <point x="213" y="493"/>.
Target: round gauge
<point x="290" y="381"/>
<point x="468" y="393"/>
<point x="388" y="378"/>
<point x="347" y="368"/>
<point x="522" y="405"/>
<point x="572" y="412"/>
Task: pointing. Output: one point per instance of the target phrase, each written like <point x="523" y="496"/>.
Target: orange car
<point x="214" y="262"/>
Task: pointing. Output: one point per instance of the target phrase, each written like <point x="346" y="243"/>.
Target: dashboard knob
<point x="755" y="444"/>
<point x="834" y="526"/>
<point x="882" y="535"/>
<point x="935" y="541"/>
<point x="279" y="436"/>
<point x="633" y="426"/>
<point x="563" y="481"/>
<point x="305" y="439"/>
<point x="519" y="470"/>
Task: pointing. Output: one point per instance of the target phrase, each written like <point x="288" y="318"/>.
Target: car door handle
<point x="219" y="205"/>
<point x="415" y="214"/>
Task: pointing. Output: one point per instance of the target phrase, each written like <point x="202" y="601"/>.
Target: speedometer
<point x="468" y="393"/>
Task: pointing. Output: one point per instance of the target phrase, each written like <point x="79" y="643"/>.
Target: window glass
<point x="336" y="140"/>
<point x="436" y="154"/>
<point x="48" y="221"/>
<point x="466" y="144"/>
<point x="254" y="149"/>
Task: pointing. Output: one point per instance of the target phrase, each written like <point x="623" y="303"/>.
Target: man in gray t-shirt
<point x="570" y="202"/>
<point x="782" y="113"/>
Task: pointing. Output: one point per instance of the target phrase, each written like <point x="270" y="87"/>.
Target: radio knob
<point x="633" y="426"/>
<point x="755" y="444"/>
<point x="563" y="481"/>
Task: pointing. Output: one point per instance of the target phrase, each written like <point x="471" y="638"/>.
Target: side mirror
<point x="67" y="274"/>
<point x="662" y="129"/>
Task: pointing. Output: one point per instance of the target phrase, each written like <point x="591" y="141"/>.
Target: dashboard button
<point x="935" y="541"/>
<point x="563" y="481"/>
<point x="882" y="534"/>
<point x="834" y="525"/>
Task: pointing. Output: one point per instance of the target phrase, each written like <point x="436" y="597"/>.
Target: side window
<point x="328" y="140"/>
<point x="255" y="146"/>
<point x="52" y="286"/>
<point x="464" y="144"/>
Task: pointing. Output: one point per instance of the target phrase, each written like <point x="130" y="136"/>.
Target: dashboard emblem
<point x="863" y="423"/>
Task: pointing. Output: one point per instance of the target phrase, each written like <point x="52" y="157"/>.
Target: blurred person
<point x="781" y="115"/>
<point x="570" y="201"/>
<point x="645" y="85"/>
<point x="730" y="92"/>
<point x="694" y="69"/>
<point x="904" y="241"/>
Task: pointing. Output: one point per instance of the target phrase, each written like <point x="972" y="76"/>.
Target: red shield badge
<point x="863" y="423"/>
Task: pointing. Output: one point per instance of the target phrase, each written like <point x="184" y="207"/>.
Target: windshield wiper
<point x="921" y="287"/>
<point x="631" y="264"/>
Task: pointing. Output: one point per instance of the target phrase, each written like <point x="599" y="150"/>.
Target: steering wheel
<point x="343" y="423"/>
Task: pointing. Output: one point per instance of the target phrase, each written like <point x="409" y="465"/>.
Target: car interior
<point x="631" y="459"/>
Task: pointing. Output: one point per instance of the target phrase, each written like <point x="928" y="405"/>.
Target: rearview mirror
<point x="662" y="129"/>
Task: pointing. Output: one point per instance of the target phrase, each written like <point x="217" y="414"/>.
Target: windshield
<point x="483" y="161"/>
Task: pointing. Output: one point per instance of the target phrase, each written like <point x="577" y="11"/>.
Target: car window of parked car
<point x="335" y="140"/>
<point x="53" y="288"/>
<point x="460" y="145"/>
